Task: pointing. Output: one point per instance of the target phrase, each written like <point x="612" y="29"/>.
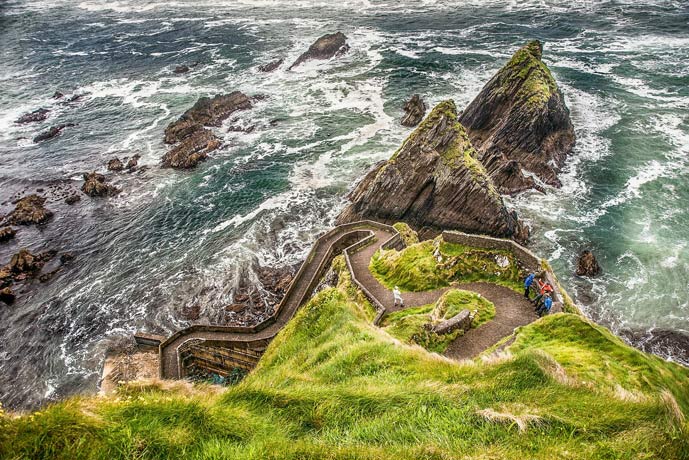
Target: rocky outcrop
<point x="23" y="266"/>
<point x="192" y="150"/>
<point x="29" y="210"/>
<point x="7" y="296"/>
<point x="31" y="117"/>
<point x="51" y="132"/>
<point x="271" y="66"/>
<point x="133" y="162"/>
<point x="326" y="47"/>
<point x="519" y="123"/>
<point x="6" y="234"/>
<point x="587" y="265"/>
<point x="73" y="199"/>
<point x="95" y="185"/>
<point x="115" y="164"/>
<point x="252" y="304"/>
<point x="415" y="109"/>
<point x="434" y="180"/>
<point x="193" y="140"/>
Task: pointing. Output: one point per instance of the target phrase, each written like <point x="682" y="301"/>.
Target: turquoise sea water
<point x="177" y="239"/>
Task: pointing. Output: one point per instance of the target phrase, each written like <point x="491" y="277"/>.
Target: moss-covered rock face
<point x="408" y="235"/>
<point x="519" y="122"/>
<point x="435" y="180"/>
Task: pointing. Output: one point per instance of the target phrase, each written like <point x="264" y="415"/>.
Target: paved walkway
<point x="511" y="309"/>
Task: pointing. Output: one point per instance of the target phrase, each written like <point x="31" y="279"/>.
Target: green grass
<point x="408" y="325"/>
<point x="415" y="268"/>
<point x="408" y="235"/>
<point x="331" y="385"/>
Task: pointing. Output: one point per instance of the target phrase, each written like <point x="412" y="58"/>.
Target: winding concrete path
<point x="512" y="310"/>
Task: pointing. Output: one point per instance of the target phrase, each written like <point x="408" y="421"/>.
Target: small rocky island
<point x="519" y="123"/>
<point x="326" y="47"/>
<point x="434" y="180"/>
<point x="451" y="171"/>
<point x="191" y="139"/>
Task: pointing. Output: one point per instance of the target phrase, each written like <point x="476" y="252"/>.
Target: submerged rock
<point x="31" y="117"/>
<point x="51" y="132"/>
<point x="6" y="234"/>
<point x="95" y="185"/>
<point x="520" y="116"/>
<point x="271" y="66"/>
<point x="326" y="47"/>
<point x="29" y="210"/>
<point x="415" y="110"/>
<point x="434" y="180"/>
<point x="193" y="140"/>
<point x="587" y="265"/>
<point x="115" y="165"/>
<point x="73" y="199"/>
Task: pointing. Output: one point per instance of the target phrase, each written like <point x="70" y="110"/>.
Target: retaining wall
<point x="525" y="257"/>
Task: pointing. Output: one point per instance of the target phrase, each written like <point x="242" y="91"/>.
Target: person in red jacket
<point x="546" y="288"/>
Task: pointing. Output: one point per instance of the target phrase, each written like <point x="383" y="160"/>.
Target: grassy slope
<point x="415" y="269"/>
<point x="333" y="386"/>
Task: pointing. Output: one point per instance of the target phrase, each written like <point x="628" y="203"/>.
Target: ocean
<point x="175" y="240"/>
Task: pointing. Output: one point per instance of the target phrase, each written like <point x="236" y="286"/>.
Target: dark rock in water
<point x="29" y="210"/>
<point x="6" y="234"/>
<point x="25" y="262"/>
<point x="192" y="150"/>
<point x="415" y="110"/>
<point x="115" y="165"/>
<point x="254" y="303"/>
<point x="206" y="112"/>
<point x="193" y="140"/>
<point x="58" y="95"/>
<point x="95" y="185"/>
<point x="271" y="65"/>
<point x="73" y="199"/>
<point x="7" y="296"/>
<point x="520" y="115"/>
<point x="133" y="162"/>
<point x="327" y="46"/>
<point x="66" y="258"/>
<point x="31" y="117"/>
<point x="181" y="69"/>
<point x="73" y="98"/>
<point x="587" y="265"/>
<point x="668" y="343"/>
<point x="434" y="180"/>
<point x="51" y="132"/>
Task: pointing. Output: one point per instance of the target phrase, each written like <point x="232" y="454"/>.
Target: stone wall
<point x="525" y="257"/>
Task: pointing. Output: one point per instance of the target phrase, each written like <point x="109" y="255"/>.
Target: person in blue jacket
<point x="527" y="284"/>
<point x="546" y="306"/>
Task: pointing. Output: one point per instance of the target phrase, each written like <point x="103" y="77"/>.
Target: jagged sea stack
<point x="434" y="180"/>
<point x="519" y="123"/>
